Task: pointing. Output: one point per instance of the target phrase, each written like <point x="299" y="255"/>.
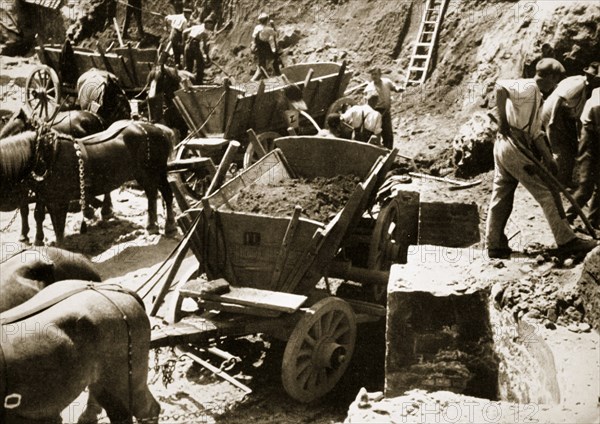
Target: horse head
<point x="18" y="122"/>
<point x="163" y="81"/>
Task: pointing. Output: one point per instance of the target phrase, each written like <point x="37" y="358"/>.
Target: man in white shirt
<point x="264" y="46"/>
<point x="520" y="130"/>
<point x="196" y="48"/>
<point x="364" y="119"/>
<point x="560" y="116"/>
<point x="383" y="87"/>
<point x="177" y="23"/>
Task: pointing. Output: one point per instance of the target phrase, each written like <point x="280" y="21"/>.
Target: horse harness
<point x="13" y="400"/>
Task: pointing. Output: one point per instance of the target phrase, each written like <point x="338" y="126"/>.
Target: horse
<point x="59" y="168"/>
<point x="76" y="123"/>
<point x="163" y="81"/>
<point x="29" y="271"/>
<point x="72" y="335"/>
<point x="99" y="91"/>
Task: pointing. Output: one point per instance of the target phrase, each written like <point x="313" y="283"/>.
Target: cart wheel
<point x="267" y="140"/>
<point x="340" y="106"/>
<point x="386" y="245"/>
<point x="43" y="93"/>
<point x="195" y="183"/>
<point x="319" y="350"/>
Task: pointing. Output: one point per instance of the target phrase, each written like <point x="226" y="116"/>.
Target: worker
<point x="364" y="119"/>
<point x="264" y="46"/>
<point x="589" y="161"/>
<point x="383" y="87"/>
<point x="177" y="23"/>
<point x="561" y="113"/>
<point x="134" y="9"/>
<point x="520" y="134"/>
<point x="196" y="48"/>
<point x="335" y="127"/>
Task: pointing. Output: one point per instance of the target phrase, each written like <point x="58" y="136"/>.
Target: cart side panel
<point x="268" y="170"/>
<point x="139" y="55"/>
<point x="297" y="73"/>
<point x="253" y="244"/>
<point x="311" y="157"/>
<point x="318" y="94"/>
<point x="199" y="102"/>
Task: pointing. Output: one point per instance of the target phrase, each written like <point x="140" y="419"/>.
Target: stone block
<point x="589" y="288"/>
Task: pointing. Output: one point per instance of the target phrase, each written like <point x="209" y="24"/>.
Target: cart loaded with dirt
<point x="269" y="243"/>
<point x="252" y="113"/>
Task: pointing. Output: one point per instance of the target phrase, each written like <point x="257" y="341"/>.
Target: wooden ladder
<point x="420" y="60"/>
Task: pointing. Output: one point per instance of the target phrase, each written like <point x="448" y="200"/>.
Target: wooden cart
<point x="273" y="263"/>
<point x="63" y="64"/>
<point x="298" y="99"/>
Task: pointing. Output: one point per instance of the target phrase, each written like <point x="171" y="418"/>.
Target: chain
<point x="10" y="223"/>
<point x="80" y="165"/>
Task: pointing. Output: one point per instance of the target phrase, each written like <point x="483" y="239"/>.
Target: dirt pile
<point x="320" y="198"/>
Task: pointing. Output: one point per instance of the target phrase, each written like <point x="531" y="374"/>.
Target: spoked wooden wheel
<point x="319" y="350"/>
<point x="42" y="93"/>
<point x="387" y="245"/>
<point x="267" y="139"/>
<point x="195" y="183"/>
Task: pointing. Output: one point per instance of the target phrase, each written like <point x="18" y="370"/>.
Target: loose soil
<point x="320" y="198"/>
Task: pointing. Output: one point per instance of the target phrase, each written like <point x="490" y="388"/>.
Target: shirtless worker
<point x="177" y="23"/>
<point x="383" y="87"/>
<point x="264" y="46"/>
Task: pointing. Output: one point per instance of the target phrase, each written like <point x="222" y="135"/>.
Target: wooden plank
<point x="285" y="246"/>
<point x="267" y="299"/>
<point x="107" y="66"/>
<point x="132" y="63"/>
<point x="238" y="309"/>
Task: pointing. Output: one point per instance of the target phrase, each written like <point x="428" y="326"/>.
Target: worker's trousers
<point x="193" y="55"/>
<point x="387" y="131"/>
<point x="511" y="168"/>
<point x="589" y="178"/>
<point x="563" y="142"/>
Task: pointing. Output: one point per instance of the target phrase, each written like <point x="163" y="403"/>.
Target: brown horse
<point x="57" y="167"/>
<point x="76" y="123"/>
<point x="30" y="270"/>
<point x="70" y="336"/>
<point x="99" y="91"/>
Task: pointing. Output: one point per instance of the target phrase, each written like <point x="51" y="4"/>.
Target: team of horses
<point x="62" y="330"/>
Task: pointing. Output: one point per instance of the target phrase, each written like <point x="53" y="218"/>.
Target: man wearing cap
<point x="196" y="48"/>
<point x="364" y="119"/>
<point x="177" y="23"/>
<point x="560" y="116"/>
<point x="264" y="46"/>
<point x="134" y="9"/>
<point x="520" y="130"/>
<point x="589" y="160"/>
<point x="383" y="87"/>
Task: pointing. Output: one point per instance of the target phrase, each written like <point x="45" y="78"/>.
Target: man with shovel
<point x="517" y="153"/>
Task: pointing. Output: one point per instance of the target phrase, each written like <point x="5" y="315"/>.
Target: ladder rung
<point x="427" y="32"/>
<point x="420" y="56"/>
<point x="431" y="22"/>
<point x="417" y="68"/>
<point x="415" y="81"/>
<point x="428" y="44"/>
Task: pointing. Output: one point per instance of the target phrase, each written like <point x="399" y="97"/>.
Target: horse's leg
<point x="167" y="195"/>
<point x="151" y="189"/>
<point x="24" y="211"/>
<point x="107" y="209"/>
<point x="112" y="403"/>
<point x="58" y="214"/>
<point x="91" y="412"/>
<point x="39" y="214"/>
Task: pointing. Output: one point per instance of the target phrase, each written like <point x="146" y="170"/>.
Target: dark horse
<point x="80" y="335"/>
<point x="30" y="270"/>
<point x="163" y="81"/>
<point x="76" y="123"/>
<point x="57" y="168"/>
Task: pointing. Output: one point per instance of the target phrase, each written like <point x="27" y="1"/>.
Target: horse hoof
<point x="171" y="230"/>
<point x="24" y="239"/>
<point x="108" y="215"/>
<point x="152" y="229"/>
<point x="39" y="243"/>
